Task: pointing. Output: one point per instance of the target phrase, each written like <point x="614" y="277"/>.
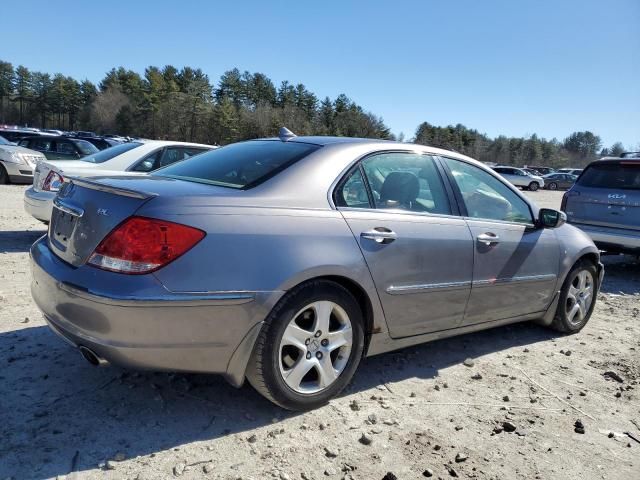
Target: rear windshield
<point x="240" y="165"/>
<point x="109" y="153"/>
<point x="624" y="176"/>
<point x="85" y="147"/>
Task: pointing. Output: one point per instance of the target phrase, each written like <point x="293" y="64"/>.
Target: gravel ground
<point x="408" y="414"/>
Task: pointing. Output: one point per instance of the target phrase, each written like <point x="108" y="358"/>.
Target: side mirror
<point x="550" y="218"/>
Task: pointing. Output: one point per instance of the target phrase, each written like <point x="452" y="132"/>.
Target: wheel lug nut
<point x="307" y="341"/>
<point x="318" y="333"/>
<point x="319" y="355"/>
<point x="308" y="355"/>
<point x="324" y="342"/>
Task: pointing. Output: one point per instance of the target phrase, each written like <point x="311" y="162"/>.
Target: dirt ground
<point x="420" y="409"/>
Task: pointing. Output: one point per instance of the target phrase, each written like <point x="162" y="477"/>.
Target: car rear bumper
<point x="18" y="173"/>
<point x="39" y="204"/>
<point x="133" y="321"/>
<point x="612" y="238"/>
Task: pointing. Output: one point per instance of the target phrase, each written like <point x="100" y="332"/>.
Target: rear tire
<point x="553" y="186"/>
<point x="577" y="298"/>
<point x="4" y="178"/>
<point x="533" y="186"/>
<point x="292" y="364"/>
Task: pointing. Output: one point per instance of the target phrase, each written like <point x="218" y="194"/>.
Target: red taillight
<point x="142" y="245"/>
<point x="53" y="182"/>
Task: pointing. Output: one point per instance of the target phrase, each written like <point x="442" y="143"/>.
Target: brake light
<point x="53" y="182"/>
<point x="142" y="245"/>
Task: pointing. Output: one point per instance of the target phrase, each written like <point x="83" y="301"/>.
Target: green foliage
<point x="178" y="104"/>
<point x="577" y="150"/>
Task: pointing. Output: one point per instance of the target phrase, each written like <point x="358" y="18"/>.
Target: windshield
<point x="624" y="175"/>
<point x="85" y="147"/>
<point x="111" y="152"/>
<point x="4" y="141"/>
<point x="240" y="165"/>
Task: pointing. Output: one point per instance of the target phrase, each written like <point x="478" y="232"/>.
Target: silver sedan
<point x="287" y="260"/>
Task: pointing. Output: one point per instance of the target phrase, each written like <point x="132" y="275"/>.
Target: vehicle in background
<point x="52" y="131"/>
<point x="520" y="178"/>
<point x="81" y="133"/>
<point x="542" y="170"/>
<point x="531" y="171"/>
<point x="630" y="155"/>
<point x="59" y="147"/>
<point x="136" y="158"/>
<point x="15" y="135"/>
<point x="17" y="163"/>
<point x="571" y="171"/>
<point x="287" y="260"/>
<point x="605" y="203"/>
<point x="555" y="181"/>
<point x="99" y="142"/>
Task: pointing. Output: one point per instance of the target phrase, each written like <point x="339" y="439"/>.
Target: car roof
<point x="614" y="160"/>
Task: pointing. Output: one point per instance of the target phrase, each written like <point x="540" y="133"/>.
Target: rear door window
<point x="623" y="175"/>
<point x="406" y="181"/>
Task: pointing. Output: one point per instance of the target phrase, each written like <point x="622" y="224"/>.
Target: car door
<point x="515" y="263"/>
<point x="419" y="252"/>
<point x="66" y="150"/>
<point x="509" y="174"/>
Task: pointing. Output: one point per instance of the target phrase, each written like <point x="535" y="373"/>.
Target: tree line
<point x="185" y="105"/>
<point x="178" y="104"/>
<point x="576" y="150"/>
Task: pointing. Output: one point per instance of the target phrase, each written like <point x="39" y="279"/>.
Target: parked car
<point x="630" y="155"/>
<point x="554" y="181"/>
<point x="14" y="135"/>
<point x="520" y="178"/>
<point x="59" y="147"/>
<point x="17" y="163"/>
<point x="134" y="157"/>
<point x="571" y="171"/>
<point x="605" y="203"/>
<point x="542" y="170"/>
<point x="99" y="142"/>
<point x="287" y="260"/>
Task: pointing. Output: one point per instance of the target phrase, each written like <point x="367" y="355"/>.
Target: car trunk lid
<point x="84" y="212"/>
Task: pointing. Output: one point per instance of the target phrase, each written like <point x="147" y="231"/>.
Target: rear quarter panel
<point x="264" y="249"/>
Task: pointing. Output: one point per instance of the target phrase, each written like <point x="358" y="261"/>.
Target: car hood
<point x="18" y="149"/>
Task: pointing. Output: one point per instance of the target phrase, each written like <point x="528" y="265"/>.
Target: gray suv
<point x="605" y="203"/>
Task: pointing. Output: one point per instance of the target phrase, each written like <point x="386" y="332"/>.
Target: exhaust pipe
<point x="92" y="357"/>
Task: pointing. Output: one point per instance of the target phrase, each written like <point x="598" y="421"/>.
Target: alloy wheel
<point x="579" y="297"/>
<point x="315" y="347"/>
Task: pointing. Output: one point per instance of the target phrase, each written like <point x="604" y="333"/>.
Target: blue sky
<point x="502" y="67"/>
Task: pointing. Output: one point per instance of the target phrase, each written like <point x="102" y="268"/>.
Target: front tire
<point x="577" y="298"/>
<point x="4" y="177"/>
<point x="309" y="347"/>
<point x="533" y="186"/>
<point x="553" y="186"/>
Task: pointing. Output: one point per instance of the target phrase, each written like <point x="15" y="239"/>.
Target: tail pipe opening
<point x="92" y="357"/>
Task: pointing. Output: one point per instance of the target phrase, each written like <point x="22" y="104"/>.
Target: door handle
<point x="488" y="238"/>
<point x="380" y="235"/>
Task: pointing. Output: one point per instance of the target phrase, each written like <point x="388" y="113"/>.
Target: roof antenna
<point x="285" y="134"/>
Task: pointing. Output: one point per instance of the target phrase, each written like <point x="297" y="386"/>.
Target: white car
<point x="520" y="178"/>
<point x="133" y="158"/>
<point x="571" y="171"/>
<point x="17" y="163"/>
